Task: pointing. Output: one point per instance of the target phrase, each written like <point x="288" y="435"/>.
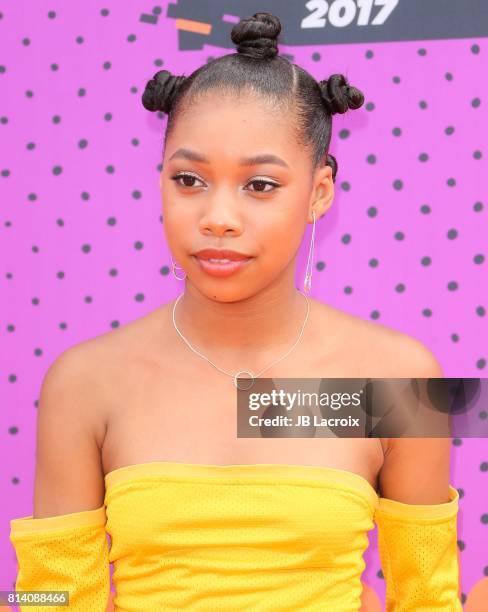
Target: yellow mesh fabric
<point x="262" y="537"/>
<point x="67" y="552"/>
<point x="418" y="550"/>
<point x="254" y="538"/>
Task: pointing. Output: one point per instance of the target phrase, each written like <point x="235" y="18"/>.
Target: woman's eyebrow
<point x="263" y="158"/>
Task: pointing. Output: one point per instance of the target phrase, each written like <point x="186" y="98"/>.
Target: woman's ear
<point x="322" y="192"/>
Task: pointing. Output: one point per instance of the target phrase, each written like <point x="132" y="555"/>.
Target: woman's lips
<point x="222" y="269"/>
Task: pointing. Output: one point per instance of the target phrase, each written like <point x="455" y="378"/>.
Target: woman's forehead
<point x="246" y="126"/>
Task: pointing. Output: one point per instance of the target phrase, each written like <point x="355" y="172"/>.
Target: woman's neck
<point x="249" y="330"/>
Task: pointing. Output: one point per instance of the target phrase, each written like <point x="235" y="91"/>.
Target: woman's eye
<point x="185" y="179"/>
<point x="261" y="183"/>
<point x="188" y="179"/>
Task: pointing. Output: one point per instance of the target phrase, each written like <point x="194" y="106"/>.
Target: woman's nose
<point x="221" y="215"/>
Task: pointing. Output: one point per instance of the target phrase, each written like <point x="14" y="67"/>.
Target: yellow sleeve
<point x="417" y="544"/>
<point x="66" y="552"/>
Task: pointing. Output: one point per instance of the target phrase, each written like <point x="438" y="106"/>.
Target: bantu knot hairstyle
<point x="338" y="95"/>
<point x="257" y="36"/>
<point x="257" y="67"/>
<point x="160" y="91"/>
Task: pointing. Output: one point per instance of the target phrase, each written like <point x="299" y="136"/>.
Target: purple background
<point x="82" y="246"/>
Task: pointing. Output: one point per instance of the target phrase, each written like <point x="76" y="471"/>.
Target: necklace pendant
<point x="243" y="386"/>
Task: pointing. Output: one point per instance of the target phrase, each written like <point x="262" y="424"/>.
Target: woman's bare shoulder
<point x="394" y="353"/>
<point x="103" y="365"/>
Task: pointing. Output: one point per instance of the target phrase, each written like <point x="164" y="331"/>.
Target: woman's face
<point x="234" y="178"/>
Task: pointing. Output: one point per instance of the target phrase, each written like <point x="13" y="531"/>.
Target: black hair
<point x="258" y="66"/>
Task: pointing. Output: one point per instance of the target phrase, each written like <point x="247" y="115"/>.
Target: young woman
<point x="136" y="429"/>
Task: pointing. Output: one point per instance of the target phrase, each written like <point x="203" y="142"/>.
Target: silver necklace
<point x="236" y="375"/>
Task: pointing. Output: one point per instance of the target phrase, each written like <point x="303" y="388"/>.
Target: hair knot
<point x="338" y="95"/>
<point x="161" y="90"/>
<point x="256" y="36"/>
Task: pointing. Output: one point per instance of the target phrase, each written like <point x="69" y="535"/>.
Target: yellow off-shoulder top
<point x="254" y="537"/>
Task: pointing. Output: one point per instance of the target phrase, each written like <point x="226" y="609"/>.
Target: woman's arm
<point x="417" y="512"/>
<point x="63" y="545"/>
<point x="69" y="473"/>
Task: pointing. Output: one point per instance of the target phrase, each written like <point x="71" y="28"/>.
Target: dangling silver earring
<point x="175" y="267"/>
<point x="307" y="284"/>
